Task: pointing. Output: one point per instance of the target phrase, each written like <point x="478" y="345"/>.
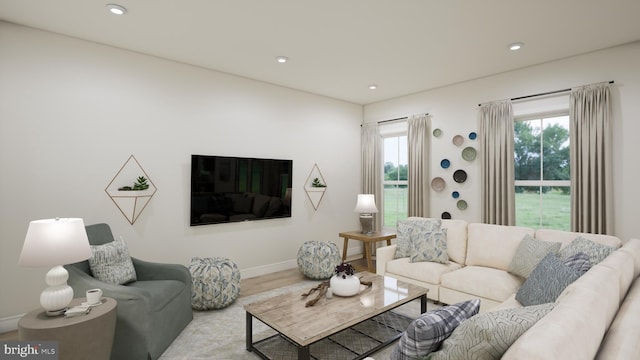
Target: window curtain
<point x="591" y="187"/>
<point x="496" y="134"/>
<point x="418" y="172"/>
<point x="371" y="166"/>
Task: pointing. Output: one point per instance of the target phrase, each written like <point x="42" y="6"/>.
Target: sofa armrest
<point x="383" y="256"/>
<point x="146" y="270"/>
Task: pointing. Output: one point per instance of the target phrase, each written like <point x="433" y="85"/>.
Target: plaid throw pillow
<point x="425" y="334"/>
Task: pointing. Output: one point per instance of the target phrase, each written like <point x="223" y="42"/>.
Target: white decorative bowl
<point x="344" y="287"/>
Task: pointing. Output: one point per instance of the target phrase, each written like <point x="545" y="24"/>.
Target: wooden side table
<point x="368" y="240"/>
<point x="80" y="337"/>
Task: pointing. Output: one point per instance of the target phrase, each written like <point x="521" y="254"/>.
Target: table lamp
<point x="55" y="242"/>
<point x="366" y="206"/>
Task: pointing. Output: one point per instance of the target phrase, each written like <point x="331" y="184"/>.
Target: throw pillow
<point x="529" y="253"/>
<point x="546" y="282"/>
<point x="425" y="334"/>
<point x="410" y="229"/>
<point x="579" y="262"/>
<point x="489" y="335"/>
<point x="111" y="263"/>
<point x="433" y="247"/>
<point x="597" y="252"/>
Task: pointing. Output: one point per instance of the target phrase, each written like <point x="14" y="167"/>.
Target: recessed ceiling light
<point x="373" y="87"/>
<point x="116" y="9"/>
<point x="282" y="59"/>
<point x="516" y="46"/>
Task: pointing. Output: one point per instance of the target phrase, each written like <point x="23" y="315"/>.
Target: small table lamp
<point x="366" y="206"/>
<point x="55" y="242"/>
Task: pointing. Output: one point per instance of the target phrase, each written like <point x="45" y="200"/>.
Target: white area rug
<point x="221" y="334"/>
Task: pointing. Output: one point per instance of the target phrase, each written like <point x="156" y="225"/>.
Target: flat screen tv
<point x="229" y="189"/>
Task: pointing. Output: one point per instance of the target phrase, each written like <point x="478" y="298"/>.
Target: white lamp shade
<point x="55" y="242"/>
<point x="366" y="204"/>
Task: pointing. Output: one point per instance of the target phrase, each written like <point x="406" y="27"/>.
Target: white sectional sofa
<point x="591" y="318"/>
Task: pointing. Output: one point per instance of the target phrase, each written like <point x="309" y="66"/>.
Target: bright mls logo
<point x="29" y="350"/>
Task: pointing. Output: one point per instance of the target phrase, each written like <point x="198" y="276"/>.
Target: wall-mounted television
<point x="230" y="189"/>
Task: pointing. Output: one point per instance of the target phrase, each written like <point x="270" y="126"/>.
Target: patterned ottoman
<point x="318" y="259"/>
<point x="215" y="283"/>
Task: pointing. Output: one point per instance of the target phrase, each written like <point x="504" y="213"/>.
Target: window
<point x="395" y="196"/>
<point x="542" y="172"/>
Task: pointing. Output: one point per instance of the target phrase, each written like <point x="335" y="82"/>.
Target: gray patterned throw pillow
<point x="546" y="282"/>
<point x="410" y="229"/>
<point x="111" y="263"/>
<point x="425" y="334"/>
<point x="529" y="253"/>
<point x="432" y="247"/>
<point x="489" y="335"/>
<point x="597" y="252"/>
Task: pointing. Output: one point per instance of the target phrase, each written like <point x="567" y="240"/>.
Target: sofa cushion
<point x="576" y="326"/>
<point x="566" y="237"/>
<point x="579" y="262"/>
<point x="429" y="272"/>
<point x="425" y="334"/>
<point x="410" y="229"/>
<point x="431" y="246"/>
<point x="111" y="263"/>
<point x="483" y="282"/>
<point x="632" y="247"/>
<point x="494" y="245"/>
<point x="546" y="281"/>
<point x="456" y="239"/>
<point x="621" y="340"/>
<point x="489" y="335"/>
<point x="529" y="253"/>
<point x="596" y="251"/>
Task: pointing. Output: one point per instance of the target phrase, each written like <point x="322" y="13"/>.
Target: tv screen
<point x="230" y="189"/>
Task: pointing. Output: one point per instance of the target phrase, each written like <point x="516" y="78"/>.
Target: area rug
<point x="221" y="334"/>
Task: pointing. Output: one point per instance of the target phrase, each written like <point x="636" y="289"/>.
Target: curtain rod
<point x="396" y="119"/>
<point x="543" y="94"/>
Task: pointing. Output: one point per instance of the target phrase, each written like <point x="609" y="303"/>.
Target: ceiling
<point x="337" y="48"/>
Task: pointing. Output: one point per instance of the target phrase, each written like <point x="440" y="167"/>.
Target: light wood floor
<point x="248" y="287"/>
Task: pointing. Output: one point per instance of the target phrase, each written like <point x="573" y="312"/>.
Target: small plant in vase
<point x="344" y="283"/>
<point x="317" y="183"/>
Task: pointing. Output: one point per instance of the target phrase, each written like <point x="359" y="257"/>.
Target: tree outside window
<point x="395" y="193"/>
<point x="542" y="171"/>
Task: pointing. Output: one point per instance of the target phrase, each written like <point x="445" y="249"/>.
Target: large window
<point x="395" y="196"/>
<point x="543" y="186"/>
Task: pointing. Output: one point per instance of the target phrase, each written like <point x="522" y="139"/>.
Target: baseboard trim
<point x="9" y="323"/>
<point x="352" y="252"/>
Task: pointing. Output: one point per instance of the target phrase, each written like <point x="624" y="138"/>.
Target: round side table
<point x="80" y="337"/>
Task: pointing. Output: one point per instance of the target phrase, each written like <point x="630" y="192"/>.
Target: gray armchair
<point x="151" y="311"/>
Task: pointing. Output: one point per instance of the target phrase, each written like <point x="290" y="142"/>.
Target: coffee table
<point x="300" y="327"/>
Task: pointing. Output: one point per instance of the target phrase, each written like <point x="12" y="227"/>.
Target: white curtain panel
<point x="591" y="186"/>
<point x="418" y="177"/>
<point x="372" y="166"/>
<point x="496" y="132"/>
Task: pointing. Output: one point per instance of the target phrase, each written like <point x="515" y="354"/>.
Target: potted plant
<point x="344" y="283"/>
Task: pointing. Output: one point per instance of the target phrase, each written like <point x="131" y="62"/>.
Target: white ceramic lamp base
<point x="56" y="298"/>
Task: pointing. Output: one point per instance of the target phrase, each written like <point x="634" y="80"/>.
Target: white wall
<point x="454" y="109"/>
<point x="72" y="112"/>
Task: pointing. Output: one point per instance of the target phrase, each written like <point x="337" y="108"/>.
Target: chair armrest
<point x="383" y="256"/>
<point x="146" y="270"/>
<point x="81" y="282"/>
